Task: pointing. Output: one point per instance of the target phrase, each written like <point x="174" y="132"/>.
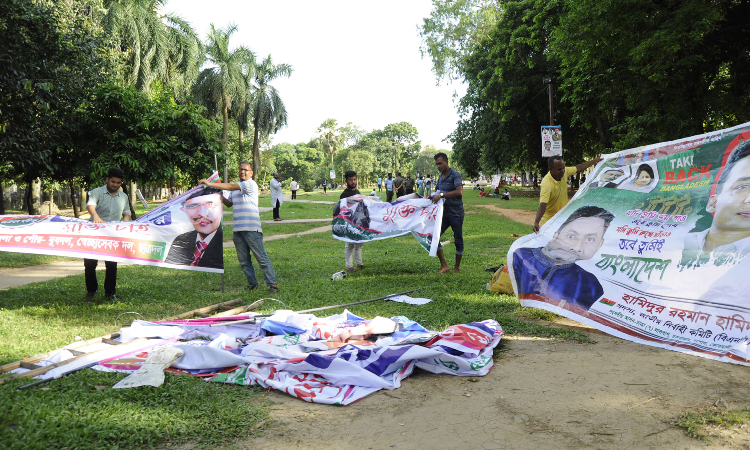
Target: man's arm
<point x="92" y="210"/>
<point x="126" y="217"/>
<point x="222" y="186"/>
<point x="583" y="166"/>
<point x="539" y="213"/>
<point x="456" y="193"/>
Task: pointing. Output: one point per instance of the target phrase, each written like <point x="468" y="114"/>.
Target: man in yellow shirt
<point x="554" y="193"/>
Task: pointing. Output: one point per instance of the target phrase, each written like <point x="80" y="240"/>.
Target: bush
<point x="308" y="186"/>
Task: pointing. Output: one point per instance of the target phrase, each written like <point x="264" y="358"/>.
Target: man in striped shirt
<point x="248" y="236"/>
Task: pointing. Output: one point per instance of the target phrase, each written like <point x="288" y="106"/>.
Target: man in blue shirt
<point x="389" y="189"/>
<point x="450" y="187"/>
<point x="550" y="271"/>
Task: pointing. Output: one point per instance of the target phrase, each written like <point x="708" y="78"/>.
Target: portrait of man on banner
<point x="726" y="243"/>
<point x="551" y="271"/>
<point x="610" y="178"/>
<point x="203" y="245"/>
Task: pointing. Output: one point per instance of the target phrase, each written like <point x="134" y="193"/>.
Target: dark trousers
<point x="388" y="196"/>
<point x="110" y="277"/>
<point x="276" y="210"/>
<point x="294" y="195"/>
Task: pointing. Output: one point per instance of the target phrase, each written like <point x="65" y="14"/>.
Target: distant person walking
<point x="294" y="186"/>
<point x="276" y="195"/>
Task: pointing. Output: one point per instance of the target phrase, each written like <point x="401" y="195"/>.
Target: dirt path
<point x="519" y="215"/>
<point x="540" y="394"/>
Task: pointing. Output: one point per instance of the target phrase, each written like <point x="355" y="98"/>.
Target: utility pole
<point x="395" y="159"/>
<point x="550" y="83"/>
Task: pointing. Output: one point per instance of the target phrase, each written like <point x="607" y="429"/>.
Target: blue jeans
<point x="456" y="222"/>
<point x="252" y="241"/>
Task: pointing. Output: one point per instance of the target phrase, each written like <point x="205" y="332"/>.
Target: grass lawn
<point x="73" y="412"/>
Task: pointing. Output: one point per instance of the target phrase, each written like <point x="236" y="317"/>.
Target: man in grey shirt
<point x="106" y="204"/>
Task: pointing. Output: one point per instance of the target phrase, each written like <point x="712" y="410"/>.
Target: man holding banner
<point x="451" y="188"/>
<point x="248" y="235"/>
<point x="106" y="204"/>
<point x="554" y="193"/>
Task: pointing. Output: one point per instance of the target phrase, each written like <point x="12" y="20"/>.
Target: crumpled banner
<point x="335" y="360"/>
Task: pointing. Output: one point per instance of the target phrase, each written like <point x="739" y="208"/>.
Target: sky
<point x="354" y="61"/>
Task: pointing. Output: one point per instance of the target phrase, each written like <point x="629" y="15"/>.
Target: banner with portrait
<point x="551" y="140"/>
<point x="653" y="248"/>
<point x="362" y="219"/>
<point x="183" y="233"/>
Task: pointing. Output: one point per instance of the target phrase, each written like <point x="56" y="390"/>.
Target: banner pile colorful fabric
<point x="334" y="360"/>
<point x="183" y="233"/>
<point x="362" y="219"/>
<point x="653" y="248"/>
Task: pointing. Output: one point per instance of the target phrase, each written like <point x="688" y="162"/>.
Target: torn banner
<point x="334" y="360"/>
<point x="362" y="219"/>
<point x="653" y="248"/>
<point x="183" y="233"/>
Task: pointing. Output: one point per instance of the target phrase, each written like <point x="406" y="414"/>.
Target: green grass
<point x="83" y="412"/>
<point x="695" y="424"/>
<point x="43" y="316"/>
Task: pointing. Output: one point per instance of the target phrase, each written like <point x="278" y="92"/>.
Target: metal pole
<point x="551" y="106"/>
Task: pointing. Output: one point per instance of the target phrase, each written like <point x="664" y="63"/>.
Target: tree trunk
<point x="2" y="199"/>
<point x="133" y="197"/>
<point x="74" y="199"/>
<point x="225" y="138"/>
<point x="256" y="152"/>
<point x="35" y="196"/>
<point x="83" y="199"/>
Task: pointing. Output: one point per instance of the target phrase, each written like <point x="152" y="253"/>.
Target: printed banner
<point x="653" y="248"/>
<point x="183" y="233"/>
<point x="551" y="140"/>
<point x="362" y="219"/>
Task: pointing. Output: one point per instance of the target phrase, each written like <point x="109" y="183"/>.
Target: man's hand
<point x="98" y="219"/>
<point x="204" y="182"/>
<point x="536" y="227"/>
<point x="436" y="198"/>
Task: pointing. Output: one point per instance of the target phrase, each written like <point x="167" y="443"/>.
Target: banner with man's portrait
<point x="653" y="248"/>
<point x="183" y="233"/>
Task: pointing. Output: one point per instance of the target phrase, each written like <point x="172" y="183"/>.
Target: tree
<point x="404" y="139"/>
<point x="424" y="162"/>
<point x="452" y="30"/>
<point x="331" y="137"/>
<point x="156" y="46"/>
<point x="268" y="110"/>
<point x="53" y="56"/>
<point x="224" y="81"/>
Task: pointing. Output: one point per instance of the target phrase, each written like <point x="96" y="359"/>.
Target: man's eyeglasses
<point x="195" y="206"/>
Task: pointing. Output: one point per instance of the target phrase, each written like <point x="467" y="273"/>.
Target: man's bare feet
<point x="444" y="269"/>
<point x="456" y="270"/>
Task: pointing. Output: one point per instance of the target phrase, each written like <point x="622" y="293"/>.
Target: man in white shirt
<point x="276" y="195"/>
<point x="294" y="186"/>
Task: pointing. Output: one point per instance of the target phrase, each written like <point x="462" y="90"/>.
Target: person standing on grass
<point x="294" y="186"/>
<point x="408" y="184"/>
<point x="450" y="187"/>
<point x="106" y="204"/>
<point x="554" y="193"/>
<point x="388" y="188"/>
<point x="276" y="195"/>
<point x="428" y="186"/>
<point x="352" y="250"/>
<point x="248" y="235"/>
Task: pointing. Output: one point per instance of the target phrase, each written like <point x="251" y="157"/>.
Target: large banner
<point x="362" y="219"/>
<point x="184" y="233"/>
<point x="653" y="248"/>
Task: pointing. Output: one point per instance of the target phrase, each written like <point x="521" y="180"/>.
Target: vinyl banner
<point x="653" y="248"/>
<point x="362" y="219"/>
<point x="184" y="233"/>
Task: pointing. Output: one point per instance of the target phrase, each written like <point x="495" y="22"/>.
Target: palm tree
<point x="224" y="81"/>
<point x="158" y="46"/>
<point x="331" y="137"/>
<point x="268" y="110"/>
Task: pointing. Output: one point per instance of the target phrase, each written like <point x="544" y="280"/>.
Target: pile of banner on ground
<point x="166" y="236"/>
<point x="362" y="219"/>
<point x="335" y="360"/>
<point x="653" y="248"/>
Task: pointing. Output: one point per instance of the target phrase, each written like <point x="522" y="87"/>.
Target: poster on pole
<point x="653" y="248"/>
<point x="333" y="174"/>
<point x="551" y="140"/>
<point x="183" y="233"/>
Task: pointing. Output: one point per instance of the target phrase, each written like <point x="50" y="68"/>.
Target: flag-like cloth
<point x="360" y="218"/>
